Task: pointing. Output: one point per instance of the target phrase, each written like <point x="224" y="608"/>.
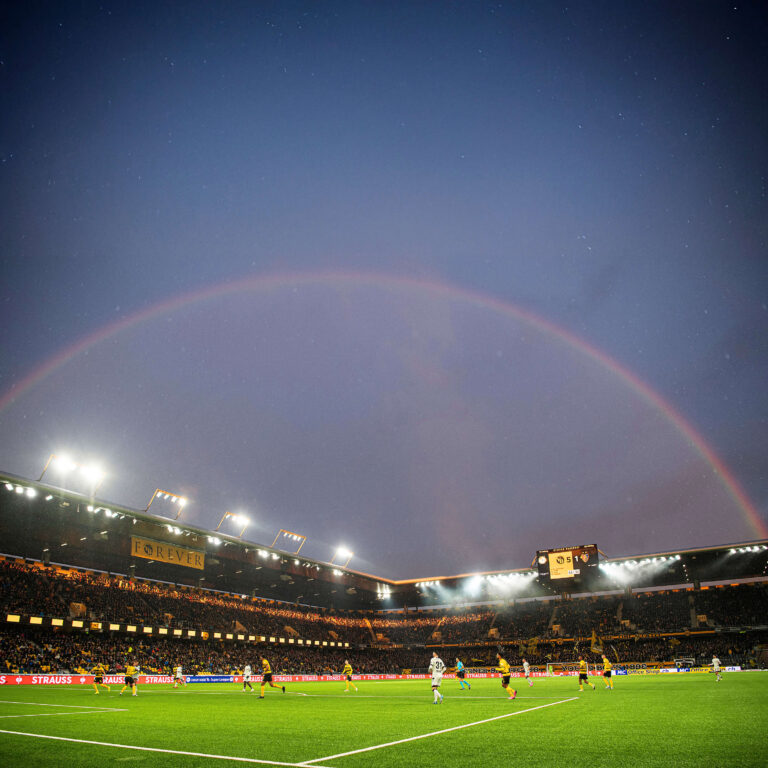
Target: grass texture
<point x="646" y="721"/>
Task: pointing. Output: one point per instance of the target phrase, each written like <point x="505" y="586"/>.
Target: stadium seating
<point x="625" y="625"/>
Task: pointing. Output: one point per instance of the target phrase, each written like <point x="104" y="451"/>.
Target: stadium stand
<point x="651" y="626"/>
<point x="83" y="580"/>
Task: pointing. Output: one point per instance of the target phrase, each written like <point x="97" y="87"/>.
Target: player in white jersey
<point x="527" y="673"/>
<point x="436" y="668"/>
<point x="178" y="677"/>
<point x="247" y="677"/>
<point x="716" y="669"/>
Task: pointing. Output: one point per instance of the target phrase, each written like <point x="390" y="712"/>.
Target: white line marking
<point x="61" y="706"/>
<point x="61" y="714"/>
<point x="435" y="733"/>
<point x="458" y="697"/>
<point x="426" y="697"/>
<point x="155" y="749"/>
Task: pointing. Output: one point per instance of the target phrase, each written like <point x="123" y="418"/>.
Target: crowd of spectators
<point x="733" y="606"/>
<point x="540" y="629"/>
<point x="46" y="651"/>
<point x="47" y="592"/>
<point x="659" y="611"/>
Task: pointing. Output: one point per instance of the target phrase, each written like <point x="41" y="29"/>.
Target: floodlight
<point x="290" y="535"/>
<point x="238" y="519"/>
<point x="92" y="473"/>
<point x="64" y="464"/>
<point x="31" y="492"/>
<point x="342" y="553"/>
<point x="174" y="498"/>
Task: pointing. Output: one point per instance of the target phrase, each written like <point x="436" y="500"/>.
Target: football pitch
<point x="668" y="720"/>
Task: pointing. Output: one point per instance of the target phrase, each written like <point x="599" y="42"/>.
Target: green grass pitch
<point x="668" y="720"/>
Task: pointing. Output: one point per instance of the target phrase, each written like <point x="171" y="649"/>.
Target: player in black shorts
<point x="583" y="677"/>
<point x="267" y="677"/>
<point x="98" y="678"/>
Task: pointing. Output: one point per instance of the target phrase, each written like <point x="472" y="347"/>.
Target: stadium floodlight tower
<point x="238" y="519"/>
<point x="289" y="536"/>
<point x="64" y="465"/>
<point x="174" y="498"/>
<point x="343" y="554"/>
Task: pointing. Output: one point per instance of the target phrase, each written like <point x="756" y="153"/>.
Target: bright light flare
<point x="343" y="552"/>
<point x="64" y="464"/>
<point x="92" y="473"/>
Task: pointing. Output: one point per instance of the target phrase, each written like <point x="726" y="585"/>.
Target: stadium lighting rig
<point x="64" y="465"/>
<point x="342" y="553"/>
<point x="238" y="519"/>
<point x="290" y="536"/>
<point x="174" y="498"/>
<point x="27" y="491"/>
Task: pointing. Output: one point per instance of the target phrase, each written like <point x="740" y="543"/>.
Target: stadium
<point x="89" y="582"/>
<point x="478" y="290"/>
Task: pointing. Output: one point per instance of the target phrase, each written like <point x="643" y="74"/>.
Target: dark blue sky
<point x="599" y="165"/>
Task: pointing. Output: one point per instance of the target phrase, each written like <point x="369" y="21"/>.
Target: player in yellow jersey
<point x="267" y="677"/>
<point x="98" y="678"/>
<point x="347" y="671"/>
<point x="131" y="673"/>
<point x="607" y="667"/>
<point x="583" y="677"/>
<point x="505" y="675"/>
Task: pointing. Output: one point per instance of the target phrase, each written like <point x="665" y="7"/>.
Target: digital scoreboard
<point x="566" y="563"/>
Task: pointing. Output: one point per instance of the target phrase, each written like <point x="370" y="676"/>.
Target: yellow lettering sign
<point x="154" y="550"/>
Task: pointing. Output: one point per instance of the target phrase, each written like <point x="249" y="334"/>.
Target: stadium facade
<point x="41" y="522"/>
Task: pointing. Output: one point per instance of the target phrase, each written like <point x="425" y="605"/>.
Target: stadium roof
<point x="44" y="522"/>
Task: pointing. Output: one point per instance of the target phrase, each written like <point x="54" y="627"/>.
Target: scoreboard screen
<point x="567" y="562"/>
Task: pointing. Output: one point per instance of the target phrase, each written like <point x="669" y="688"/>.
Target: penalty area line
<point x="231" y="758"/>
<point x="435" y="733"/>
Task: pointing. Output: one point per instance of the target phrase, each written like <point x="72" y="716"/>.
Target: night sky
<point x="445" y="283"/>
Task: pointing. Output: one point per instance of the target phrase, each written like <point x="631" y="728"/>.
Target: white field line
<point x="62" y="714"/>
<point x="60" y="706"/>
<point x="156" y="749"/>
<point x="501" y="697"/>
<point x="427" y="697"/>
<point x="434" y="733"/>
